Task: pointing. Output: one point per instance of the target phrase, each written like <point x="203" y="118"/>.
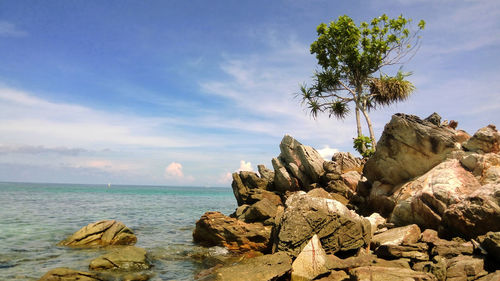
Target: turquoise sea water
<point x="35" y="217"/>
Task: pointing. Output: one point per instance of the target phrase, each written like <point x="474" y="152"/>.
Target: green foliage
<point x="364" y="146"/>
<point x="351" y="59"/>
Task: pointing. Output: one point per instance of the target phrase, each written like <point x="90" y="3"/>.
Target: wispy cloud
<point x="30" y="149"/>
<point x="8" y="29"/>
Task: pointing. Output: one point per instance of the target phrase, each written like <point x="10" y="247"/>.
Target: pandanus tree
<point x="351" y="59"/>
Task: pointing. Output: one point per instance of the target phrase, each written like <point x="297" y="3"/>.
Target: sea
<point x="34" y="217"/>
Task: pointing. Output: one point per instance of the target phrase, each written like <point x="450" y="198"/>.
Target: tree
<point x="351" y="59"/>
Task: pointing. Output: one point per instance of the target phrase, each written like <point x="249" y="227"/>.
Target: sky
<point x="183" y="93"/>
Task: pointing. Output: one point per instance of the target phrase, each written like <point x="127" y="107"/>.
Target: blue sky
<point x="186" y="92"/>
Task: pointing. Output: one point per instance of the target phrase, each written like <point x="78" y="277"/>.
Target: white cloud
<point x="174" y="170"/>
<point x="245" y="166"/>
<point x="8" y="29"/>
<point x="225" y="178"/>
<point x="327" y="152"/>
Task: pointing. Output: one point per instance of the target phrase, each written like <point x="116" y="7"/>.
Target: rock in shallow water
<point x="263" y="268"/>
<point x="216" y="229"/>
<point x="122" y="258"/>
<point x="101" y="233"/>
<point x="66" y="274"/>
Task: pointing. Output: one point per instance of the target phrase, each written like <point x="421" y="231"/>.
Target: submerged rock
<point x="123" y="258"/>
<point x="216" y="229"/>
<point x="101" y="233"/>
<point x="66" y="274"/>
<point x="338" y="228"/>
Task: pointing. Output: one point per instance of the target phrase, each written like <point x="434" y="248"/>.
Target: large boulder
<point x="246" y="183"/>
<point x="338" y="228"/>
<point x="464" y="268"/>
<point x="216" y="229"/>
<point x="409" y="147"/>
<point x="311" y="262"/>
<point x="66" y="274"/>
<point x="101" y="233"/>
<point x="485" y="167"/>
<point x="424" y="200"/>
<point x="397" y="236"/>
<point x="297" y="167"/>
<point x="122" y="258"/>
<point x="263" y="268"/>
<point x="485" y="140"/>
<point x="475" y="214"/>
<point x="490" y="242"/>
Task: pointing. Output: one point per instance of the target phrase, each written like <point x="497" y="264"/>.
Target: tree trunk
<point x="370" y="127"/>
<point x="358" y="124"/>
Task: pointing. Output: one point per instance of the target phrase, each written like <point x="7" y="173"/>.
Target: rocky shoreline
<point x="425" y="206"/>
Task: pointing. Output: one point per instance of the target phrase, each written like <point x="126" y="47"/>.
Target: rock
<point x="320" y="193"/>
<point x="464" y="268"/>
<point x="379" y="199"/>
<point x="376" y="220"/>
<point x="474" y="215"/>
<point x="409" y="147"/>
<point x="339" y="187"/>
<point x="415" y="252"/>
<point x="434" y="118"/>
<point x="101" y="233"/>
<point x="335" y="276"/>
<point x="494" y="276"/>
<point x="338" y="228"/>
<point x="266" y="174"/>
<point x="379" y="273"/>
<point x="346" y="162"/>
<point x="283" y="181"/>
<point x="485" y="140"/>
<point x="429" y="236"/>
<point x="424" y="200"/>
<point x="245" y="182"/>
<point x="397" y="236"/>
<point x="123" y="258"/>
<point x="240" y="212"/>
<point x="216" y="229"/>
<point x="66" y="274"/>
<point x="261" y="211"/>
<point x="311" y="262"/>
<point x="263" y="268"/>
<point x="351" y="179"/>
<point x="490" y="242"/>
<point x="485" y="167"/>
<point x="297" y="167"/>
<point x="449" y="249"/>
<point x="362" y="259"/>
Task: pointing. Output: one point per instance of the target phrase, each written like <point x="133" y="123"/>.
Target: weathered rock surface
<point x="379" y="273"/>
<point x="335" y="276"/>
<point x="485" y="140"/>
<point x="338" y="228"/>
<point x="261" y="211"/>
<point x="66" y="274"/>
<point x="377" y="222"/>
<point x="311" y="262"/>
<point x="424" y="200"/>
<point x="490" y="242"/>
<point x="101" y="233"/>
<point x="397" y="236"/>
<point x="414" y="252"/>
<point x="409" y="147"/>
<point x="216" y="229"/>
<point x="297" y="166"/>
<point x="494" y="276"/>
<point x="464" y="268"/>
<point x="363" y="259"/>
<point x="485" y="167"/>
<point x="474" y="215"/>
<point x="246" y="183"/>
<point x="122" y="258"/>
<point x="263" y="268"/>
<point x="346" y="162"/>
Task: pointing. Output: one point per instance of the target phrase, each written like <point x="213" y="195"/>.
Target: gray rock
<point x="409" y="147"/>
<point x="246" y="183"/>
<point x="485" y="140"/>
<point x="101" y="233"/>
<point x="266" y="174"/>
<point x="338" y="228"/>
<point x="123" y="258"/>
